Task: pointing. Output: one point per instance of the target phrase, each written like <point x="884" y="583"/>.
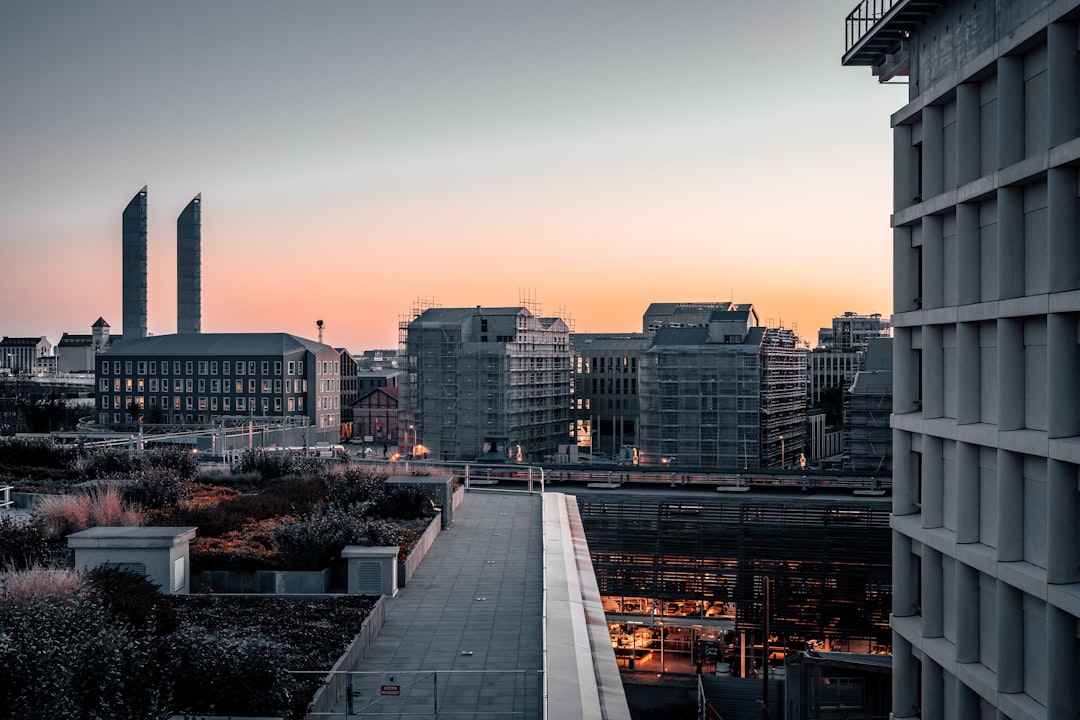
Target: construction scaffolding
<point x="783" y="398"/>
<point x="868" y="434"/>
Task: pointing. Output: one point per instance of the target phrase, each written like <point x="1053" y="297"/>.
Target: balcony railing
<point x="864" y="17"/>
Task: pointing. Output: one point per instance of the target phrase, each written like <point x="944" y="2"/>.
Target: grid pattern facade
<point x="828" y="562"/>
<point x="606" y="387"/>
<point x="228" y="379"/>
<point x="987" y="361"/>
<point x="483" y="373"/>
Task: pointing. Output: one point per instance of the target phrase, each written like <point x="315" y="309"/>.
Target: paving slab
<point x="465" y="638"/>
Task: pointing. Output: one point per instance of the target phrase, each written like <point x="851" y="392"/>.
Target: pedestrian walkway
<point x="465" y="638"/>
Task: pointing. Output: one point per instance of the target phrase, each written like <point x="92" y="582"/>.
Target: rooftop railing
<point x="864" y="17"/>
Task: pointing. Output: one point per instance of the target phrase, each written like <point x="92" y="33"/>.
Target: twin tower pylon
<point x="188" y="267"/>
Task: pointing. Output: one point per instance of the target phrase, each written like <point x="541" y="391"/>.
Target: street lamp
<point x="781" y="452"/>
<point x="412" y="443"/>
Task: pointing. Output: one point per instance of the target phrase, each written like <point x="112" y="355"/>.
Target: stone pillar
<point x="933" y="595"/>
<point x="905" y="167"/>
<point x="906" y="271"/>
<point x="1010" y="639"/>
<point x="1061" y="645"/>
<point x="1063" y="375"/>
<point x="967" y="493"/>
<point x="933" y="372"/>
<point x="905" y="479"/>
<point x="1064" y="230"/>
<point x="905" y="599"/>
<point x="968" y="374"/>
<point x="933" y="154"/>
<point x="1011" y="399"/>
<point x="966" y="603"/>
<point x="1010" y="242"/>
<point x="933" y="482"/>
<point x="968" y="135"/>
<point x="1064" y="104"/>
<point x="968" y="254"/>
<point x="1010" y="73"/>
<point x="905" y="685"/>
<point x="1062" y="532"/>
<point x="1010" y="502"/>
<point x="933" y="689"/>
<point x="933" y="262"/>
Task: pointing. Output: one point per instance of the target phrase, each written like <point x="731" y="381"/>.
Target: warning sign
<point x="390" y="684"/>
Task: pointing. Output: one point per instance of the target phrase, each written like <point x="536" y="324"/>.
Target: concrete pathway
<point x="465" y="638"/>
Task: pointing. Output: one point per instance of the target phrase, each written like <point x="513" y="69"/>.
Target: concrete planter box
<point x="408" y="568"/>
<point x="327" y="696"/>
<point x="264" y="582"/>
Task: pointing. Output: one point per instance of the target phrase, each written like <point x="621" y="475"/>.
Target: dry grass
<point x="103" y="507"/>
<point x="40" y="582"/>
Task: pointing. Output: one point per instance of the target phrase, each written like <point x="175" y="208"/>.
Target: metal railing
<point x="864" y="17"/>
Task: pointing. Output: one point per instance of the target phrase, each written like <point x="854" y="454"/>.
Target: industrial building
<point x="727" y="394"/>
<point x="986" y="282"/>
<point x="479" y="379"/>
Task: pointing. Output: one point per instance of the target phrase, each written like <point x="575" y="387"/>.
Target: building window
<point x="154" y="384"/>
<point x="277" y="367"/>
<point x="153" y="367"/>
<point x="265" y="367"/>
<point x="215" y="385"/>
<point x="239" y="386"/>
<point x="202" y="403"/>
<point x="265" y="405"/>
<point x="240" y="404"/>
<point x="103" y="385"/>
<point x="189" y="385"/>
<point x="277" y="386"/>
<point x="226" y="403"/>
<point x="202" y="385"/>
<point x="189" y="367"/>
<point x="202" y="367"/>
<point x="177" y="385"/>
<point x="176" y="402"/>
<point x="141" y="367"/>
<point x="226" y="367"/>
<point x="251" y="367"/>
<point x="213" y="367"/>
<point x="292" y="404"/>
<point x="188" y="404"/>
<point x="127" y="367"/>
<point x="251" y="385"/>
<point x="213" y="403"/>
<point x="127" y="385"/>
<point x="239" y="368"/>
<point x="292" y="367"/>
<point x="277" y="404"/>
<point x="176" y="367"/>
<point x="266" y="386"/>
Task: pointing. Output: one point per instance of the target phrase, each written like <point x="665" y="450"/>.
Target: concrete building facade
<point x="986" y="278"/>
<point x="606" y="389"/>
<point x="211" y="378"/>
<point x="730" y="394"/>
<point x="133" y="242"/>
<point x="479" y="373"/>
<point x="24" y="354"/>
<point x="189" y="268"/>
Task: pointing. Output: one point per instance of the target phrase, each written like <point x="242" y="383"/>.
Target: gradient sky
<point x="356" y="157"/>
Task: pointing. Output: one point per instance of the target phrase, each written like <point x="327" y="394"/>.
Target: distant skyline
<point x="355" y="157"/>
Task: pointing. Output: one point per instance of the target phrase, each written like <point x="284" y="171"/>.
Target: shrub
<point x="222" y="673"/>
<point x="290" y="496"/>
<point x="24" y="545"/>
<point x="311" y="542"/>
<point x="251" y="547"/>
<point x="66" y="658"/>
<point x="133" y="600"/>
<point x="156" y="487"/>
<point x="35" y="453"/>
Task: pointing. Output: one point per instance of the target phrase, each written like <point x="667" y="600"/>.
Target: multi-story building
<point x="474" y="374"/>
<point x="78" y="353"/>
<point x="867" y="410"/>
<point x="349" y="392"/>
<point x="375" y="417"/>
<point x="838" y="356"/>
<point x="606" y="388"/>
<point x="852" y="331"/>
<point x="25" y="354"/>
<point x="682" y="314"/>
<point x="986" y="283"/>
<point x="730" y="394"/>
<point x="206" y="379"/>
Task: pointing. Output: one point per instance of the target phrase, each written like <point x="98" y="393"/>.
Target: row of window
<point x="203" y="403"/>
<point x="217" y="385"/>
<point x="210" y="367"/>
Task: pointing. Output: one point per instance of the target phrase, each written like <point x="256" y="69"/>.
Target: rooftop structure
<point x="134" y="266"/>
<point x="189" y="268"/>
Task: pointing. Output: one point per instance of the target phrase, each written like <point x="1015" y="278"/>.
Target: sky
<point x="359" y="159"/>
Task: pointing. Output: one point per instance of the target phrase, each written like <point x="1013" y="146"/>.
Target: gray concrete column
<point x="906" y="388"/>
<point x="968" y="133"/>
<point x="968" y="362"/>
<point x="904" y="600"/>
<point x="933" y="153"/>
<point x="968" y="262"/>
<point x="933" y="594"/>
<point x="1061" y="652"/>
<point x="1010" y="338"/>
<point x="1010" y="109"/>
<point x="933" y="262"/>
<point x="967" y="703"/>
<point x="905" y="680"/>
<point x="1063" y="375"/>
<point x="1010" y="639"/>
<point x="967" y="613"/>
<point x="1064" y="232"/>
<point x="906" y="271"/>
<point x="1010" y="502"/>
<point x="905" y="168"/>
<point x="1062" y="531"/>
<point x="905" y="480"/>
<point x="933" y="372"/>
<point x="933" y="689"/>
<point x="1010" y="242"/>
<point x="933" y="482"/>
<point x="1062" y="82"/>
<point x="967" y="493"/>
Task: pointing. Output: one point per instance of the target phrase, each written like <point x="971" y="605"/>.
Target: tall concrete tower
<point x="134" y="266"/>
<point x="189" y="268"/>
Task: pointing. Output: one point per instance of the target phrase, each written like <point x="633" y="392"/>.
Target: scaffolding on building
<point x="868" y="434"/>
